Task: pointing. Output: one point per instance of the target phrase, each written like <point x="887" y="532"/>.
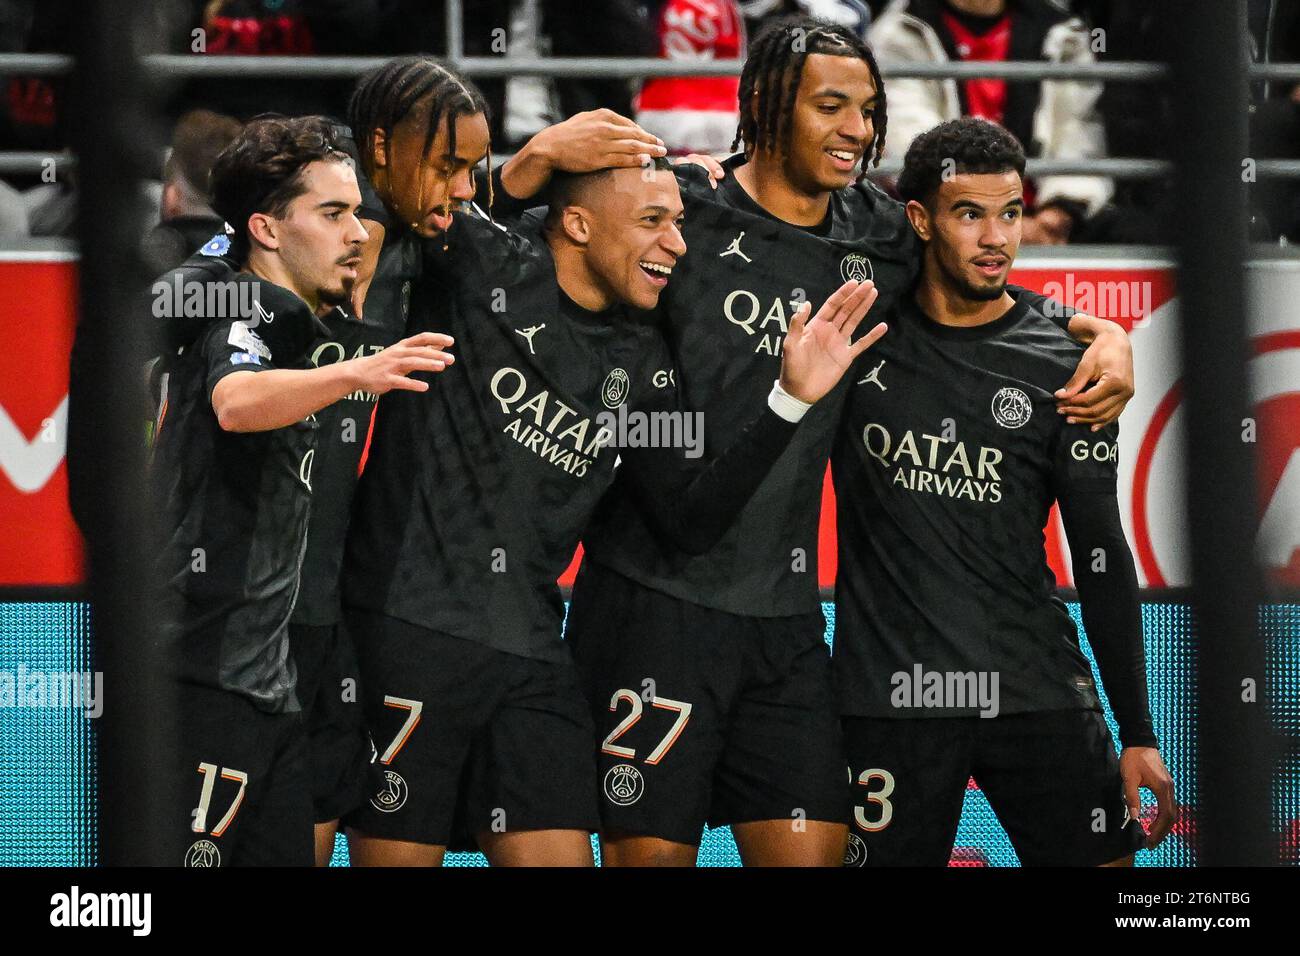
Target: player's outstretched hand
<point x="1102" y="384"/>
<point x="597" y="139"/>
<point x="818" y="351"/>
<point x="391" y="369"/>
<point x="1143" y="767"/>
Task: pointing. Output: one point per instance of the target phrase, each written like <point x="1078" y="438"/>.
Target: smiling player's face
<point x="635" y="237"/>
<point x="974" y="224"/>
<point x="832" y="126"/>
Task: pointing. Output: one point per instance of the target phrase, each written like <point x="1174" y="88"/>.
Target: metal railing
<point x="165" y="67"/>
<point x="15" y="163"/>
<point x="187" y="66"/>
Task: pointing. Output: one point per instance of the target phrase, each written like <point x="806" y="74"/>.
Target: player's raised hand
<point x="391" y="369"/>
<point x="597" y="139"/>
<point x="1143" y="767"/>
<point x="818" y="351"/>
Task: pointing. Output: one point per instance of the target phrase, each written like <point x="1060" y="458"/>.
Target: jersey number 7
<point x="413" y="708"/>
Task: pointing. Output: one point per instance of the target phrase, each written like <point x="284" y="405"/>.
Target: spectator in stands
<point x="854" y="14"/>
<point x="609" y="28"/>
<point x="32" y="108"/>
<point x="695" y="114"/>
<point x="1275" y="118"/>
<point x="397" y="27"/>
<point x="13" y="214"/>
<point x="187" y="217"/>
<point x="316" y="28"/>
<point x="1139" y="122"/>
<point x="1056" y="120"/>
<point x="258" y="28"/>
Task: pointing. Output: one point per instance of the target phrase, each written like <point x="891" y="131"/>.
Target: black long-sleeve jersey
<point x="476" y="492"/>
<point x="725" y="315"/>
<point x="235" y="504"/>
<point x="344" y="426"/>
<point x="950" y="457"/>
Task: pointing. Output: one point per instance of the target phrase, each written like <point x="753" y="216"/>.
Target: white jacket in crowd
<point x="1066" y="124"/>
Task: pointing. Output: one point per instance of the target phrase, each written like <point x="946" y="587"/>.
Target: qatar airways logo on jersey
<point x="764" y="325"/>
<point x="330" y="352"/>
<point x="936" y="465"/>
<point x="545" y="425"/>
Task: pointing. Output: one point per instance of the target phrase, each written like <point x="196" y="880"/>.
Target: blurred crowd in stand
<point x="1064" y="120"/>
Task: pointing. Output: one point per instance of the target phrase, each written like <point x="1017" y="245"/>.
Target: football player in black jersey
<point x="474" y="499"/>
<point x="340" y="750"/>
<point x="397" y="104"/>
<point x="734" y="637"/>
<point x="953" y="656"/>
<point x="233" y="460"/>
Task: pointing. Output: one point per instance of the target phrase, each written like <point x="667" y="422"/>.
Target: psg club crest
<point x="624" y="785"/>
<point x="614" y="391"/>
<point x="393" y="796"/>
<point x="1011" y="407"/>
<point x="203" y="855"/>
<point x="856" y="268"/>
<point x="855" y="854"/>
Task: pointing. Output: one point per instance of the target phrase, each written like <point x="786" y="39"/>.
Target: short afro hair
<point x="966" y="145"/>
<point x="569" y="189"/>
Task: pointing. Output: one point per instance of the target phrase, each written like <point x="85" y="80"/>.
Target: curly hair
<point x="261" y="170"/>
<point x="966" y="145"/>
<point x="770" y="81"/>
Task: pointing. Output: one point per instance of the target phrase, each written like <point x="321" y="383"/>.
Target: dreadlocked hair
<point x="770" y="81"/>
<point x="386" y="96"/>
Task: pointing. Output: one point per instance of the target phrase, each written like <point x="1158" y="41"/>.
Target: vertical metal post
<point x="1209" y="96"/>
<point x="107" y="415"/>
<point x="455" y="33"/>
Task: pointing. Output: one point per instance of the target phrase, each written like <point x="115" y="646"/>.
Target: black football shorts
<point x="1052" y="779"/>
<point x="469" y="736"/>
<point x="703" y="716"/>
<point x="342" y="775"/>
<point x="237" y="792"/>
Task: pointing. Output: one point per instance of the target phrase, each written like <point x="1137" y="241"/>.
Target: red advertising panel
<point x="39" y="543"/>
<point x="40" y="546"/>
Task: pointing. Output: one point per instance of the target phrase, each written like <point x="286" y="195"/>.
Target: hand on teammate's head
<point x="597" y="139"/>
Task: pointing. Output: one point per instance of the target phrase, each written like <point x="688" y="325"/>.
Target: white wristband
<point x="785" y="404"/>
